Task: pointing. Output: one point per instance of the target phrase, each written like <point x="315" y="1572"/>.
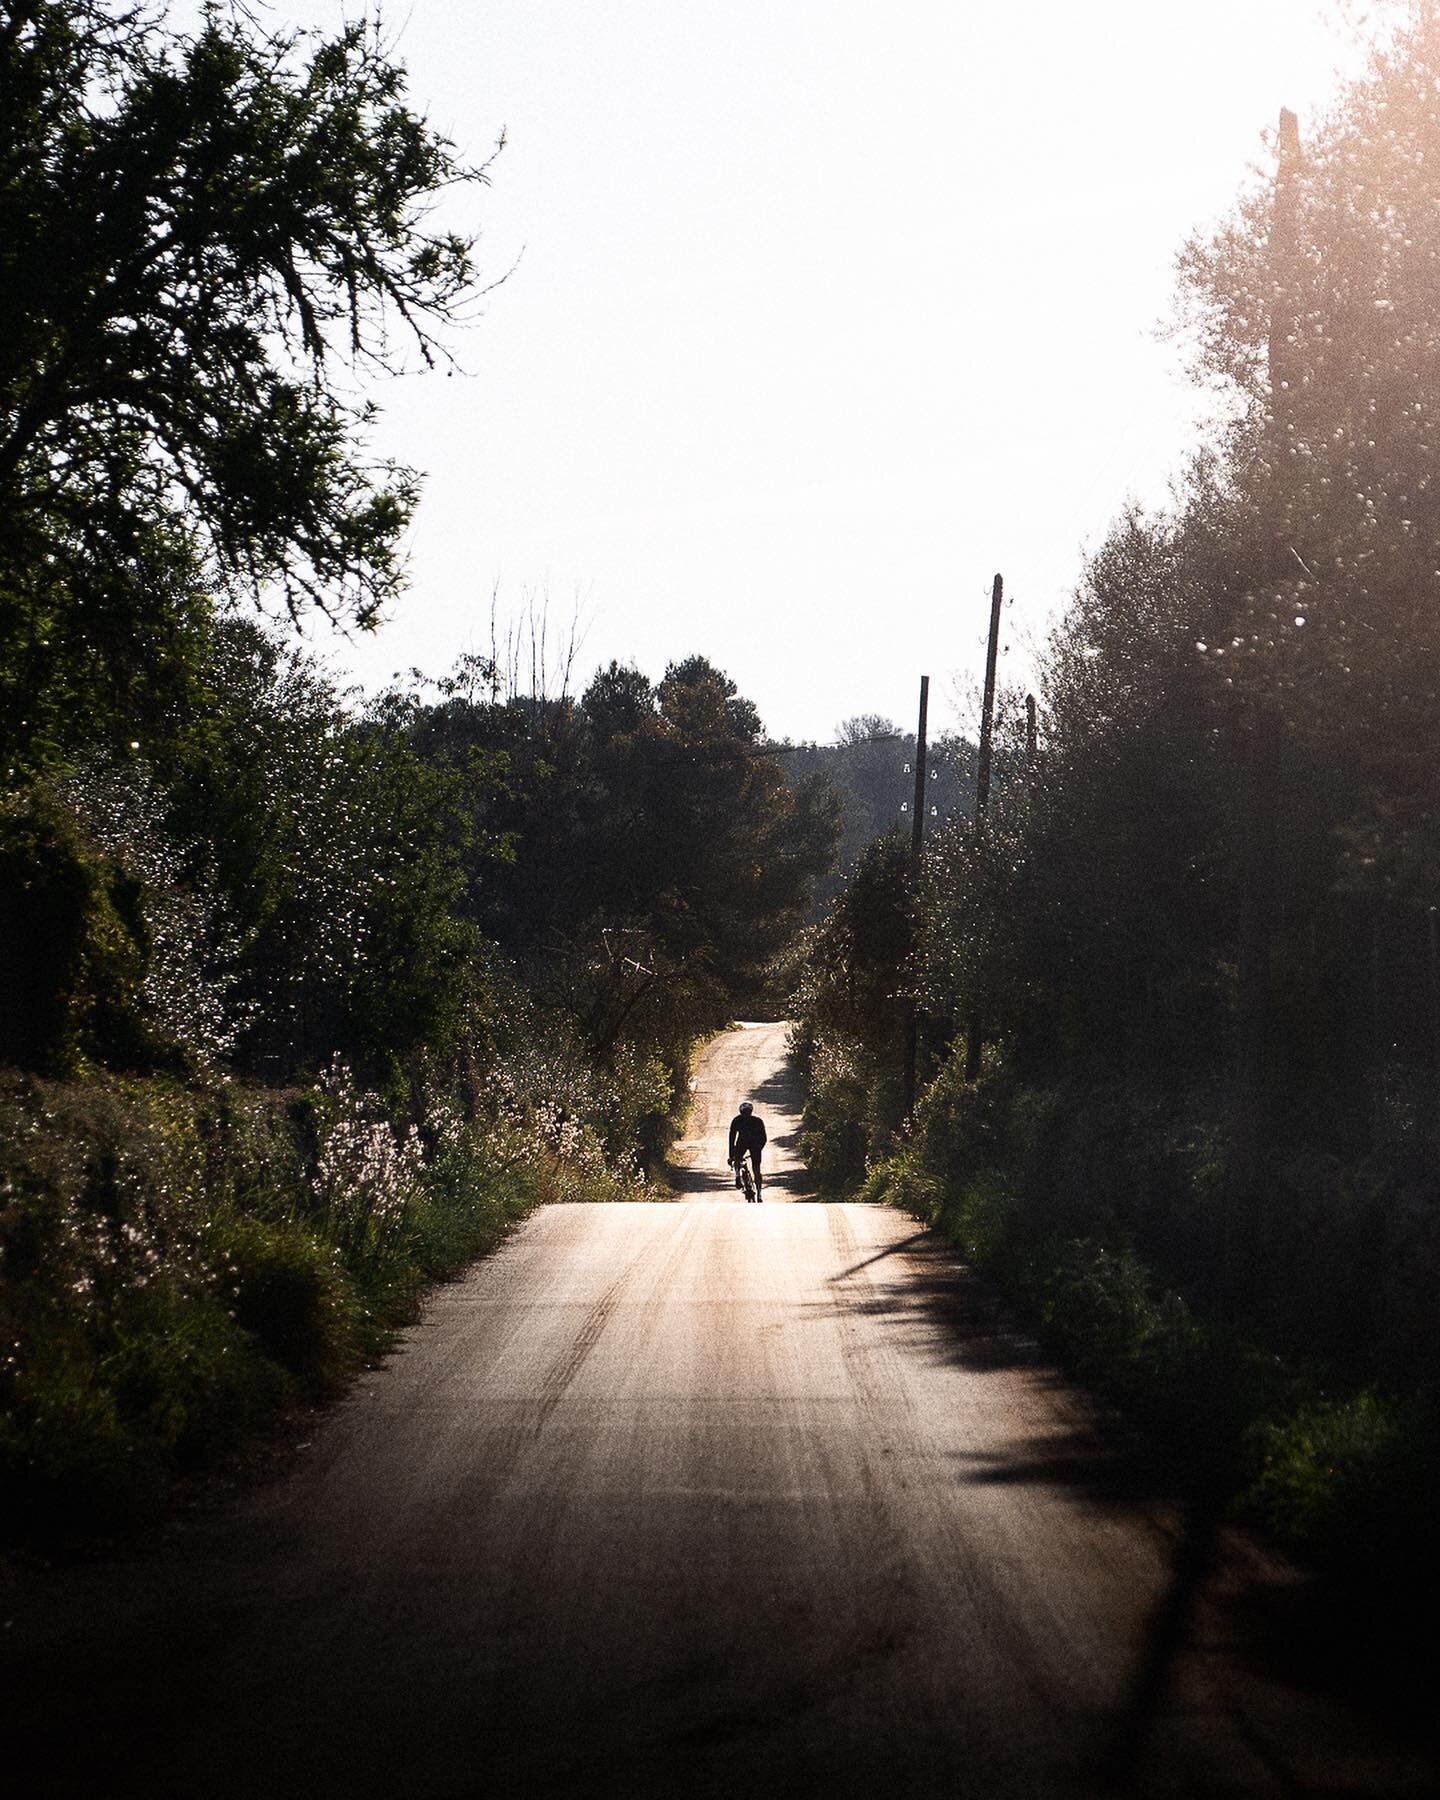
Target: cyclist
<point x="747" y="1136"/>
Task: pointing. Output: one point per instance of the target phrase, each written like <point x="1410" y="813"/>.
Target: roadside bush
<point x="365" y="1173"/>
<point x="1347" y="1481"/>
<point x="1100" y="1311"/>
<point x="464" y="1204"/>
<point x="73" y="945"/>
<point x="177" y="1263"/>
<point x="638" y="1104"/>
<point x="70" y="1470"/>
<point x="835" y="1131"/>
<point x="979" y="1214"/>
<point x="962" y="1126"/>
<point x="189" y="1382"/>
<point x="291" y="1297"/>
<point x="903" y="1182"/>
<point x="123" y="1363"/>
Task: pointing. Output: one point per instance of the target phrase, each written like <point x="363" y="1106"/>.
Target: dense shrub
<point x="73" y="944"/>
<point x="289" y="1293"/>
<point x="1347" y="1481"/>
<point x="1268" y="1409"/>
<point x="177" y="1262"/>
<point x="836" y="1126"/>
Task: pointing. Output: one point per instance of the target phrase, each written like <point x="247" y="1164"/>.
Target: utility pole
<point x="982" y="793"/>
<point x="1031" y="731"/>
<point x="1433" y="934"/>
<point x="917" y="840"/>
<point x="987" y="710"/>
<point x="917" y="824"/>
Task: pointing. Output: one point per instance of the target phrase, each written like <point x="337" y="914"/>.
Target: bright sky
<point x="826" y="311"/>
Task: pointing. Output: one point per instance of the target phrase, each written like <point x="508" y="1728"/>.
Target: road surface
<point x="748" y="1063"/>
<point x="685" y="1498"/>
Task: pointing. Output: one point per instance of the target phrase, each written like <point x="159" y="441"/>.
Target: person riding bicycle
<point x="747" y="1137"/>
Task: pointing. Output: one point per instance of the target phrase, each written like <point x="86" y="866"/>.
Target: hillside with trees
<point x="870" y="769"/>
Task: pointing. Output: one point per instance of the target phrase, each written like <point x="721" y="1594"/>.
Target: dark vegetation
<point x="1198" y="932"/>
<point x="301" y="1003"/>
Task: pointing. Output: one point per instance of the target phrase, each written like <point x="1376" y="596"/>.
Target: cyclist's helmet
<point x="745" y="1106"/>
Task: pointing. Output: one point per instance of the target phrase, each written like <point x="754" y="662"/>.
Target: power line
<point x="890" y="737"/>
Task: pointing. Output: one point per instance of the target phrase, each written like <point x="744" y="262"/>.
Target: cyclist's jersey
<point x="747" y="1132"/>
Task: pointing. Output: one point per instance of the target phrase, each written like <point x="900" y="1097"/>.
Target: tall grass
<point x="179" y="1262"/>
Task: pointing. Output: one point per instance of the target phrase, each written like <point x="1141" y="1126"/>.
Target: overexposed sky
<point x="825" y="311"/>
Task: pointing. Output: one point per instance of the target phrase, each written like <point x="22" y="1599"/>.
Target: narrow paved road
<point x="681" y="1499"/>
<point x="748" y="1063"/>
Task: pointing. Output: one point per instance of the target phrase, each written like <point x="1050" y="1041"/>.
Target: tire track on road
<point x="561" y="1374"/>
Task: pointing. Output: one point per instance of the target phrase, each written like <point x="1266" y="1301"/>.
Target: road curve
<point x="681" y="1499"/>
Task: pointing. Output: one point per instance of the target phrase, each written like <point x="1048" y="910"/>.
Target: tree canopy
<point x="660" y="858"/>
<point x="207" y="239"/>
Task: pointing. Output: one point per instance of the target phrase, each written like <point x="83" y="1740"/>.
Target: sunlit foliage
<point x="1197" y="936"/>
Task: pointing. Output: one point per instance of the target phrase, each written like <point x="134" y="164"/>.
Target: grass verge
<point x="179" y="1264"/>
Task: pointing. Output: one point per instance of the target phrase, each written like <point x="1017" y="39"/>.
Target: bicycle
<point x="747" y="1179"/>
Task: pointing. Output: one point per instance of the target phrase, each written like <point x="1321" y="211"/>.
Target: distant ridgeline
<point x="874" y="775"/>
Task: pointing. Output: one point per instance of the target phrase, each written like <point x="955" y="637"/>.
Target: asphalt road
<point x="746" y="1064"/>
<point x="688" y="1498"/>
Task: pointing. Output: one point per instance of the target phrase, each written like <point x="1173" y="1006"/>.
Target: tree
<point x="341" y="855"/>
<point x="853" y="1000"/>
<point x="870" y="770"/>
<point x="203" y="238"/>
<point x="1090" y="917"/>
<point x="1329" y="348"/>
<point x="1339" y="454"/>
<point x="618" y="702"/>
<point x="660" y="858"/>
<point x="865" y="728"/>
<point x="698" y="701"/>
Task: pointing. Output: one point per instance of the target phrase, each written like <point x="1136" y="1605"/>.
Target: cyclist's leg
<point x="755" y="1164"/>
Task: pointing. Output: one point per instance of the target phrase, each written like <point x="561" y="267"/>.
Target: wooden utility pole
<point x="917" y="824"/>
<point x="987" y="710"/>
<point x="917" y="842"/>
<point x="1283" y="348"/>
<point x="1031" y="731"/>
<point x="1433" y="938"/>
<point x="973" y="1039"/>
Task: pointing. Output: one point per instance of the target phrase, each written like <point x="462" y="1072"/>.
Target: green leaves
<point x="197" y="234"/>
<point x="658" y="859"/>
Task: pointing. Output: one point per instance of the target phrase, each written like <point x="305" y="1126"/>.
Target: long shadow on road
<point x="714" y="1184"/>
<point x="718" y="1184"/>
<point x="1271" y="1618"/>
